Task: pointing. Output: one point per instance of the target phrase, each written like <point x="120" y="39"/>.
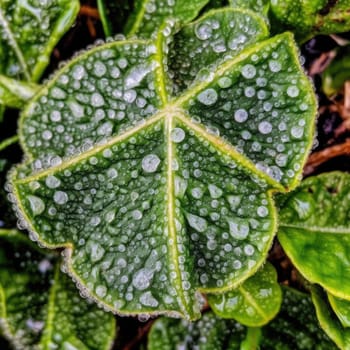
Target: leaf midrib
<point x="13" y="43"/>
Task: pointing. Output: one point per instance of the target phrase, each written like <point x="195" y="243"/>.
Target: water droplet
<point x="203" y="31"/>
<point x="293" y="91"/>
<point x="304" y="205"/>
<point x="196" y="222"/>
<point x="215" y="192"/>
<point x="148" y="299"/>
<point x="52" y="182"/>
<point x="97" y="99"/>
<point x="238" y="230"/>
<point x="297" y="132"/>
<point x="101" y="291"/>
<point x="248" y="71"/>
<point x="177" y="135"/>
<point x="208" y="97"/>
<point x="36" y="204"/>
<point x="142" y="279"/>
<point x="265" y="127"/>
<point x="60" y="197"/>
<point x="150" y="163"/>
<point x="241" y="115"/>
<point x="274" y="66"/>
<point x="262" y="211"/>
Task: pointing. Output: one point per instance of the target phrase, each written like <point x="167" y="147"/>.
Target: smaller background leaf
<point x="40" y="308"/>
<point x="309" y="18"/>
<point x="329" y="321"/>
<point x="341" y="307"/>
<point x="254" y="303"/>
<point x="314" y="223"/>
<point x="148" y="15"/>
<point x="337" y="73"/>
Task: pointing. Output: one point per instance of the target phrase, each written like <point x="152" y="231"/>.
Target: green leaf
<point x="113" y="15"/>
<point x="296" y="326"/>
<point x="148" y="15"/>
<point x="150" y="201"/>
<point x="341" y="307"/>
<point x="329" y="321"/>
<point x="309" y="18"/>
<point x="40" y="308"/>
<point x="259" y="6"/>
<point x="337" y="73"/>
<point x="314" y="228"/>
<point x="29" y="32"/>
<point x="218" y="35"/>
<point x="254" y="303"/>
<point x="14" y="93"/>
<point x="210" y="332"/>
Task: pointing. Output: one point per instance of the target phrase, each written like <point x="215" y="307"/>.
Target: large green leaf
<point x="295" y="328"/>
<point x="151" y="202"/>
<point x="40" y="307"/>
<point x="308" y="18"/>
<point x="329" y="321"/>
<point x="314" y="229"/>
<point x="30" y="29"/>
<point x="148" y="15"/>
<point x="254" y="303"/>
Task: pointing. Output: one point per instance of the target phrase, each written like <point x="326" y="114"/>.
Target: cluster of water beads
<point x="214" y="38"/>
<point x="221" y="228"/>
<point x="93" y="99"/>
<point x="253" y="111"/>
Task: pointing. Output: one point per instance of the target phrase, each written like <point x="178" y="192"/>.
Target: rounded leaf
<point x="152" y="202"/>
<point x="254" y="303"/>
<point x="314" y="229"/>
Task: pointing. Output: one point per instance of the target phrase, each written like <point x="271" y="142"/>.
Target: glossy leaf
<point x="341" y="307"/>
<point x="113" y="15"/>
<point x="40" y="307"/>
<point x="150" y="201"/>
<point x="14" y="93"/>
<point x="254" y="303"/>
<point x="29" y="32"/>
<point x="259" y="6"/>
<point x="337" y="73"/>
<point x="295" y="328"/>
<point x="148" y="15"/>
<point x="309" y="18"/>
<point x="210" y="332"/>
<point x="329" y="321"/>
<point x="314" y="229"/>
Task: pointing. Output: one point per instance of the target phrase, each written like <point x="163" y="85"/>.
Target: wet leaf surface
<point x="146" y="223"/>
<point x="40" y="307"/>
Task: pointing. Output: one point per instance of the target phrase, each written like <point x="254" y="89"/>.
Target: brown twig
<point x="322" y="62"/>
<point x="318" y="158"/>
<point x="89" y="11"/>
